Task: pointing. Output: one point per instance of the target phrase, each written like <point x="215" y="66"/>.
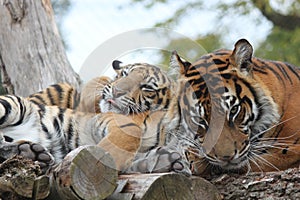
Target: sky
<point x="110" y="27"/>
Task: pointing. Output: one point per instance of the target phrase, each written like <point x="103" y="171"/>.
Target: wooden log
<point x="163" y="186"/>
<point x="20" y="178"/>
<point x="87" y="172"/>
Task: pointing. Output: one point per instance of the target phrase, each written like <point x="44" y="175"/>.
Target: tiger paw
<point x="161" y="159"/>
<point x="30" y="150"/>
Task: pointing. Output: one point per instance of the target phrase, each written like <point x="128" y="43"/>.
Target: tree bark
<point x="32" y="55"/>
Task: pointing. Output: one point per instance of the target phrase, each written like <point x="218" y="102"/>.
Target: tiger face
<point x="137" y="88"/>
<point x="231" y="106"/>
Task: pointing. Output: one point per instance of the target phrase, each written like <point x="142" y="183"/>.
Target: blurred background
<point x="271" y="26"/>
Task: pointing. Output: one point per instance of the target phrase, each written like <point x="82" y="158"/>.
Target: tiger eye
<point x="234" y="109"/>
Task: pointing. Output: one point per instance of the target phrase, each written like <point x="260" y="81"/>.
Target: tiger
<point x="226" y="113"/>
<point x="236" y="113"/>
<point x="91" y="94"/>
<point x="137" y="88"/>
<point x="65" y="95"/>
<point x="62" y="95"/>
<point x="123" y="129"/>
<point x="127" y="95"/>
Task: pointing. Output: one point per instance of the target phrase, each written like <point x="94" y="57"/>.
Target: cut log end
<point x="86" y="173"/>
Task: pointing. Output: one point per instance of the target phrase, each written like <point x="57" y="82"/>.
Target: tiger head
<point x="137" y="88"/>
<point x="223" y="107"/>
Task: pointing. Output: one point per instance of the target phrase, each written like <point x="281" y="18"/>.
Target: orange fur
<point x="243" y="97"/>
<point x="91" y="94"/>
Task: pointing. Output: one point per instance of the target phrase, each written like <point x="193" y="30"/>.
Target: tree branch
<point x="287" y="22"/>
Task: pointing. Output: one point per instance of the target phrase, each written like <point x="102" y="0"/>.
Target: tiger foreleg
<point x="160" y="159"/>
<point x="29" y="150"/>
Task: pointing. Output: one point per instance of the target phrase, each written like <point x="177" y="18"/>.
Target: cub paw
<point x="161" y="159"/>
<point x="30" y="150"/>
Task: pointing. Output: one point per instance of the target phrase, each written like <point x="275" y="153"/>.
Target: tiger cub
<point x="91" y="94"/>
<point x="137" y="88"/>
<point x="62" y="95"/>
<point x="131" y="109"/>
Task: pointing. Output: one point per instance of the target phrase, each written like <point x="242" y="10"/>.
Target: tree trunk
<point x="32" y="55"/>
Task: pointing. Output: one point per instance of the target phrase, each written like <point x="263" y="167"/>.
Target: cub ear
<point x="116" y="65"/>
<point x="179" y="64"/>
<point x="242" y="55"/>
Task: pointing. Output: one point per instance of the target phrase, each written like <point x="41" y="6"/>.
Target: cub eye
<point x="234" y="110"/>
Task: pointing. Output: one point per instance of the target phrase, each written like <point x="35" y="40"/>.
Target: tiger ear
<point x="242" y="55"/>
<point x="179" y="64"/>
<point x="116" y="64"/>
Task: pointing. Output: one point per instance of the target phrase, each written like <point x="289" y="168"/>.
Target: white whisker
<point x="248" y="167"/>
<point x="264" y="131"/>
<point x="252" y="159"/>
<point x="263" y="160"/>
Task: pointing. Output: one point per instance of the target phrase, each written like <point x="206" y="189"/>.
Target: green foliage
<point x="281" y="45"/>
<point x="191" y="49"/>
<point x="149" y="3"/>
<point x="210" y="42"/>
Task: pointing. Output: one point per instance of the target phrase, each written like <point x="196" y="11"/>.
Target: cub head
<point x="223" y="108"/>
<point x="137" y="88"/>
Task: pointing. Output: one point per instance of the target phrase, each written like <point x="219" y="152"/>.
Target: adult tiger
<point x="60" y="130"/>
<point x="237" y="112"/>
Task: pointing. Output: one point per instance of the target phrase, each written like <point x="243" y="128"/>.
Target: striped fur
<point x="138" y="88"/>
<point x="91" y="94"/>
<point x="61" y="94"/>
<point x="60" y="129"/>
<point x="236" y="112"/>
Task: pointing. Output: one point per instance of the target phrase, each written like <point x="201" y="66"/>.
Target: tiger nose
<point x="226" y="158"/>
<point x="117" y="92"/>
